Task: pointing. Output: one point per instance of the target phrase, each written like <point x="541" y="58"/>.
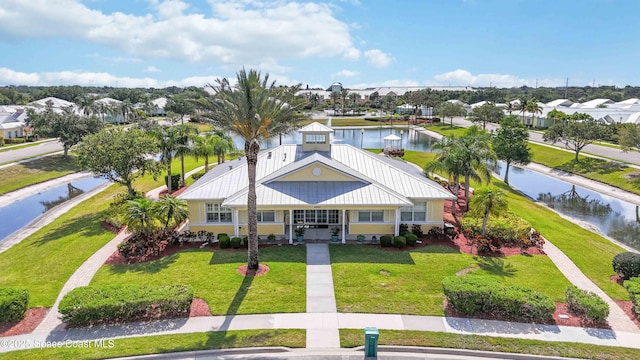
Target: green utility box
<point x="371" y="342"/>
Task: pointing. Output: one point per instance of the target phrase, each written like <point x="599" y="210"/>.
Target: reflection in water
<point x="72" y="192"/>
<point x="626" y="231"/>
<point x="25" y="210"/>
<point x="571" y="201"/>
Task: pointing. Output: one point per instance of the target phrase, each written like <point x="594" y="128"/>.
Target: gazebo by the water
<point x="393" y="145"/>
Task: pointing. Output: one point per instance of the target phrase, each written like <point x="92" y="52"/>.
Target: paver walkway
<point x="617" y="319"/>
<point x="322" y="329"/>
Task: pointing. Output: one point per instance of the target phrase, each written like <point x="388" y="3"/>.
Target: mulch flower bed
<point x="32" y="319"/>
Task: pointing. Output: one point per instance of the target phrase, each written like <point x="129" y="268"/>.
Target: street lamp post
<point x="361" y="137"/>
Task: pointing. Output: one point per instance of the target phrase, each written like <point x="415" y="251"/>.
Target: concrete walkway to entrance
<point x="322" y="331"/>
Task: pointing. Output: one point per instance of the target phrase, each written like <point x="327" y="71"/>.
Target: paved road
<point x="29" y="152"/>
<point x="631" y="157"/>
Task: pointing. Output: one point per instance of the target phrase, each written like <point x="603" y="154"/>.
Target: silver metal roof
<point x="315" y="127"/>
<point x="377" y="180"/>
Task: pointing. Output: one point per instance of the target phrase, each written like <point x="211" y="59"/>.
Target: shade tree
<point x="576" y="133"/>
<point x="510" y="143"/>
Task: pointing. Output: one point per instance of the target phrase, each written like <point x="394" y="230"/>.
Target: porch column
<point x="236" y="230"/>
<point x="290" y="226"/>
<point x="396" y="228"/>
<point x="344" y="220"/>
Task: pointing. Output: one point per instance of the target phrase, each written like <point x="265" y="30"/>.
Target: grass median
<point x="36" y="171"/>
<point x="353" y="338"/>
<point x="161" y="344"/>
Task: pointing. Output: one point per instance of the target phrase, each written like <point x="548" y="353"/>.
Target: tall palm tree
<point x="186" y="135"/>
<point x="204" y="146"/>
<point x="448" y="161"/>
<point x="171" y="210"/>
<point x="168" y="138"/>
<point x="344" y="93"/>
<point x="255" y="110"/>
<point x="475" y="152"/>
<point x="488" y="201"/>
<point x="223" y="145"/>
<point x="534" y="108"/>
<point x="86" y="105"/>
<point x="126" y="109"/>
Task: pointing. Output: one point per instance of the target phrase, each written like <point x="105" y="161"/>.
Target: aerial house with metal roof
<point x="317" y="186"/>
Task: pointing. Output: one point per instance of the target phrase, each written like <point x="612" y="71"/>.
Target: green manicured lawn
<point x="445" y="129"/>
<point x="356" y="121"/>
<point x="590" y="252"/>
<point x="371" y="280"/>
<point x="126" y="347"/>
<point x="15" y="147"/>
<point x="214" y="277"/>
<point x="44" y="261"/>
<point x="608" y="172"/>
<point x="36" y="171"/>
<point x="353" y="338"/>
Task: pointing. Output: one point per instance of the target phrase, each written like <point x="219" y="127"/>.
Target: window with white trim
<point x="219" y="214"/>
<point x="415" y="213"/>
<point x="370" y="216"/>
<point x="316" y="139"/>
<point x="266" y="215"/>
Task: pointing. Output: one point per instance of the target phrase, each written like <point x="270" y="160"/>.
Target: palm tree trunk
<point x="182" y="182"/>
<point x="484" y="223"/>
<point x="169" y="178"/>
<point x="466" y="191"/>
<point x="206" y="163"/>
<point x="251" y="150"/>
<point x="506" y="174"/>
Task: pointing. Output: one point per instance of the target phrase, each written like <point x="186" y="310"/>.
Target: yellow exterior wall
<point x="265" y="229"/>
<point x="435" y="210"/>
<point x="216" y="229"/>
<point x="196" y="211"/>
<point x="306" y="174"/>
<point x="369" y="228"/>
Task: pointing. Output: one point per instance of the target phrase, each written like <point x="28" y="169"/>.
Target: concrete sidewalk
<point x="322" y="332"/>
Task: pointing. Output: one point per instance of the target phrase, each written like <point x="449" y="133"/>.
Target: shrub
<point x="195" y="176"/>
<point x="1" y="140"/>
<point x="386" y="240"/>
<point x="586" y="303"/>
<point x="627" y="264"/>
<point x="245" y="242"/>
<point x="412" y="239"/>
<point x="13" y="304"/>
<point x="225" y="241"/>
<point x="403" y="228"/>
<point x="509" y="229"/>
<point x="105" y="304"/>
<point x="235" y="242"/>
<point x="175" y="182"/>
<point x="144" y="245"/>
<point x="416" y="229"/>
<point x="400" y="242"/>
<point x="476" y="294"/>
<point x="633" y="287"/>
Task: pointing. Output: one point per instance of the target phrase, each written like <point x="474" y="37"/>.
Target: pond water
<point x="368" y="138"/>
<point x="23" y="211"/>
<point x="614" y="217"/>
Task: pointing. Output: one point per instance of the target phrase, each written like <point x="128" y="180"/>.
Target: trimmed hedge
<point x="113" y="303"/>
<point x="475" y="294"/>
<point x="386" y="240"/>
<point x="400" y="242"/>
<point x="225" y="241"/>
<point x="412" y="239"/>
<point x="509" y="228"/>
<point x="586" y="303"/>
<point x="236" y="242"/>
<point x="633" y="287"/>
<point x="627" y="264"/>
<point x="13" y="304"/>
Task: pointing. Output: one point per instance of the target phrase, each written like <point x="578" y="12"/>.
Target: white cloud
<point x="83" y="78"/>
<point x="464" y="77"/>
<point x="237" y="32"/>
<point x="345" y="74"/>
<point x="152" y="69"/>
<point x="377" y="58"/>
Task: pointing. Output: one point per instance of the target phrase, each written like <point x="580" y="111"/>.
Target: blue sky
<point x="158" y="43"/>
